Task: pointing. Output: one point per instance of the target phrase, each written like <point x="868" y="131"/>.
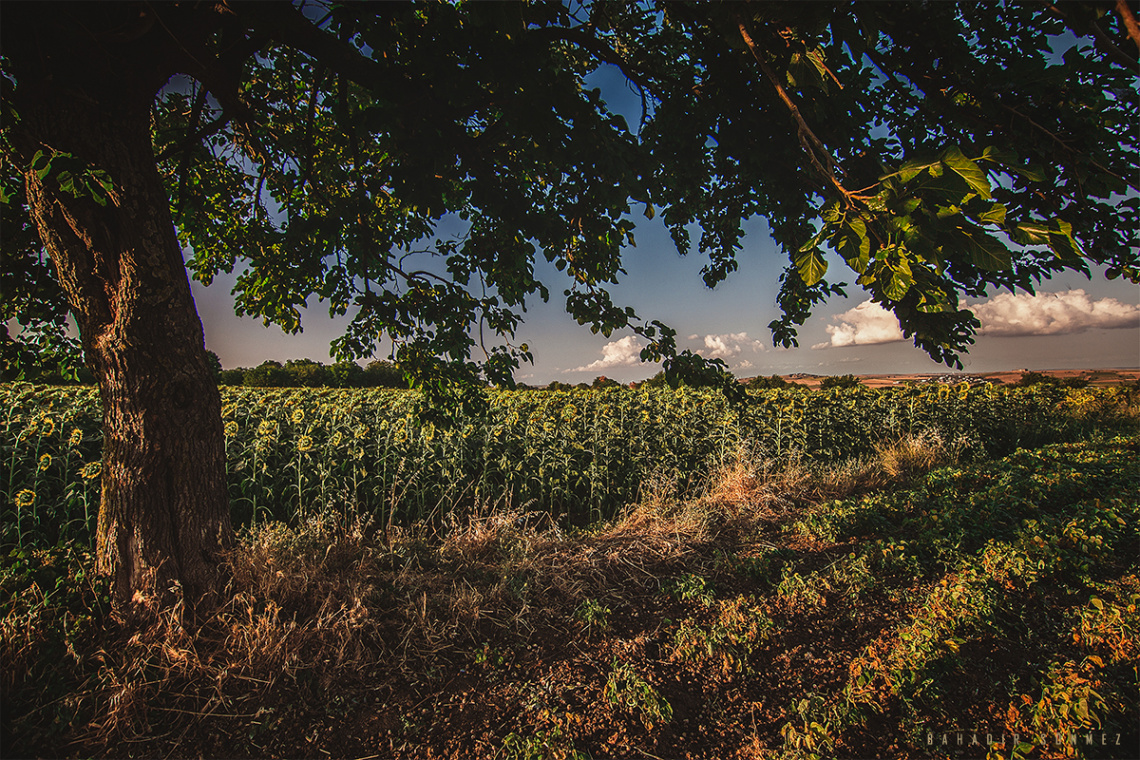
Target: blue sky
<point x="1072" y="322"/>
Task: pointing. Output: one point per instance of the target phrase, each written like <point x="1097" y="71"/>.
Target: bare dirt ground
<point x="1096" y="377"/>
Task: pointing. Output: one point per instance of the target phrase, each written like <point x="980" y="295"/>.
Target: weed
<point x="764" y="569"/>
<point x="799" y="592"/>
<point x="543" y="745"/>
<point x="489" y="657"/>
<point x="812" y="737"/>
<point x="691" y="588"/>
<point x="593" y="615"/>
<point x="736" y="630"/>
<point x="627" y="690"/>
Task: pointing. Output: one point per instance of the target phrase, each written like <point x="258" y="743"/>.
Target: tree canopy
<point x="939" y="149"/>
<point x="410" y="162"/>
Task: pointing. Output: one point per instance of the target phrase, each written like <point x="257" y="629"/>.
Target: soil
<point x="1096" y="377"/>
<point x="526" y="675"/>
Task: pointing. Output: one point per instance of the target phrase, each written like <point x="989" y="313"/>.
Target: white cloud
<point x="1006" y="314"/>
<point x="625" y="352"/>
<point x="727" y="345"/>
<point x="865" y="325"/>
<point x="1071" y="311"/>
<point x="744" y="365"/>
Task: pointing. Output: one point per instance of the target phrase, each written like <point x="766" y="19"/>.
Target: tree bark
<point x="164" y="519"/>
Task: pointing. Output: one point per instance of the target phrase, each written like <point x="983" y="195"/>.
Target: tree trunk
<point x="164" y="518"/>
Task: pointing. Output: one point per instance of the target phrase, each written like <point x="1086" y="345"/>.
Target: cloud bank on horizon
<point x="1004" y="315"/>
<point x="727" y="345"/>
<point x="626" y="352"/>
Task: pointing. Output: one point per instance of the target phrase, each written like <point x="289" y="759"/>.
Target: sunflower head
<point x="25" y="498"/>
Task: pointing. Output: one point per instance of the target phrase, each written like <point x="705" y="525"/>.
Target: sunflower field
<point x="579" y="455"/>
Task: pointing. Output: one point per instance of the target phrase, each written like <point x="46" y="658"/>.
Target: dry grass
<point x="335" y="605"/>
<point x="916" y="455"/>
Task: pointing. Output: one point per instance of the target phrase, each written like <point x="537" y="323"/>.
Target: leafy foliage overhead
<point x="332" y="150"/>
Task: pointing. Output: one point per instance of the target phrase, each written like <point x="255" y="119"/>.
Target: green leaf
<point x="987" y="252"/>
<point x="1030" y="233"/>
<point x="957" y="162"/>
<point x="877" y="202"/>
<point x="1063" y="243"/>
<point x="995" y="215"/>
<point x="853" y="244"/>
<point x="811" y="265"/>
<point x="912" y="169"/>
<point x="900" y="282"/>
<point x="898" y="286"/>
<point x="934" y="302"/>
<point x="95" y="190"/>
<point x="1033" y="172"/>
<point x="999" y="156"/>
<point x="41" y="164"/>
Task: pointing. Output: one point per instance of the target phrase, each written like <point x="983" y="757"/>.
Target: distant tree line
<point x="306" y="373"/>
<point x="1040" y="378"/>
<point x="599" y="383"/>
<point x="58" y="362"/>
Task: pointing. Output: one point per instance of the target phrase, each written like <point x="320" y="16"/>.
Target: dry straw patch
<point x="339" y="606"/>
<point x="915" y="455"/>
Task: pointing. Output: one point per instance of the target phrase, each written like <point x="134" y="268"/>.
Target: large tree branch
<point x="1104" y="43"/>
<point x="933" y="91"/>
<point x="812" y="145"/>
<point x="1129" y="19"/>
<point x="310" y="115"/>
<point x="286" y="25"/>
<point x="638" y="75"/>
<point x="195" y="137"/>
